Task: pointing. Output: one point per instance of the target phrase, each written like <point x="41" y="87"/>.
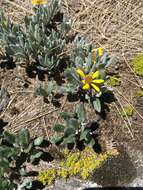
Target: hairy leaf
<point x="80" y="110"/>
<point x="59" y="128"/>
<point x="97" y="105"/>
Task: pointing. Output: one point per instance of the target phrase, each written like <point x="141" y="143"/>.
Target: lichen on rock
<point x="76" y="163"/>
<point x="138" y="64"/>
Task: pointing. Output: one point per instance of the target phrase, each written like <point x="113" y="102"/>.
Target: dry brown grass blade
<point x="62" y="107"/>
<point x="129" y="126"/>
<point x="125" y="122"/>
<point x="37" y="117"/>
<point x="9" y="104"/>
<point x="19" y="7"/>
<point x="120" y="93"/>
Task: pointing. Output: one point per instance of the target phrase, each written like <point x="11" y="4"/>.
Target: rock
<point x="72" y="184"/>
<point x="4" y="98"/>
<point x="138" y="182"/>
<point x="116" y="171"/>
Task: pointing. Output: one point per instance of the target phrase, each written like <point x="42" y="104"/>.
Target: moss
<point x="81" y="163"/>
<point x="114" y="81"/>
<point x="47" y="176"/>
<point x="138" y="64"/>
<point x="64" y="173"/>
<point x="128" y="111"/>
<point x="139" y="93"/>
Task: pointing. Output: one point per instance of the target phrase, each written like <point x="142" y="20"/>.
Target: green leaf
<point x="89" y="140"/>
<point x="35" y="155"/>
<point x="83" y="134"/>
<point x="28" y="148"/>
<point x="97" y="105"/>
<point x="66" y="25"/>
<point x="10" y="138"/>
<point x="68" y="88"/>
<point x="46" y="89"/>
<point x="8" y="151"/>
<point x="59" y="128"/>
<point x="41" y="91"/>
<point x="50" y="97"/>
<point x="87" y="97"/>
<point x="69" y="139"/>
<point x="71" y="76"/>
<point x="69" y="131"/>
<point x="56" y="139"/>
<point x="89" y="63"/>
<point x="38" y="141"/>
<point x="9" y="51"/>
<point x="27" y="183"/>
<point x="6" y="184"/>
<point x="5" y="151"/>
<point x="72" y="123"/>
<point x="4" y="165"/>
<point x="91" y="143"/>
<point x="65" y="115"/>
<point x="50" y="87"/>
<point x="22" y="172"/>
<point x="80" y="110"/>
<point x="23" y="138"/>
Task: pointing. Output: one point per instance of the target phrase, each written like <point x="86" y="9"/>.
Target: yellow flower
<point x="100" y="51"/>
<point x="39" y="2"/>
<point x="90" y="80"/>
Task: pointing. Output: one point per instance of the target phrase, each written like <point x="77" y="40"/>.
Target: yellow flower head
<point x="39" y="2"/>
<point x="90" y="80"/>
<point x="100" y="51"/>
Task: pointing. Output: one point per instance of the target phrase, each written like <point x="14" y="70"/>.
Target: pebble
<point x="4" y="98"/>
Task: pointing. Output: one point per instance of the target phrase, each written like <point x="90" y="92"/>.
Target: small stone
<point x="138" y="182"/>
<point x="72" y="184"/>
<point x="4" y="98"/>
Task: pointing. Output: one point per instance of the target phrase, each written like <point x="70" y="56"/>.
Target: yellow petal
<point x="96" y="88"/>
<point x="83" y="81"/>
<point x="39" y="2"/>
<point x="98" y="81"/>
<point x="81" y="73"/>
<point x="86" y="87"/>
<point x="95" y="75"/>
<point x="100" y="51"/>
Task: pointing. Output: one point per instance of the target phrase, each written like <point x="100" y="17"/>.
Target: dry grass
<point x="116" y="25"/>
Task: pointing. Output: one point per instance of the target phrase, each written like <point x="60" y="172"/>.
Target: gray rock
<point x="4" y="98"/>
<point x="71" y="184"/>
<point x="138" y="182"/>
<point x="116" y="171"/>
